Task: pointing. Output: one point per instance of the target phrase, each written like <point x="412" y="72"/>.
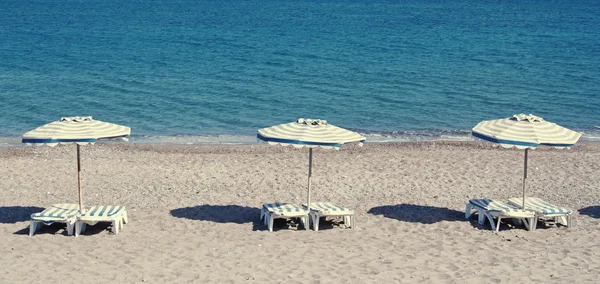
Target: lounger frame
<point x="57" y="213"/>
<point x="328" y="209"/>
<point x="117" y="220"/>
<point x="271" y="211"/>
<point x="528" y="221"/>
<point x="564" y="218"/>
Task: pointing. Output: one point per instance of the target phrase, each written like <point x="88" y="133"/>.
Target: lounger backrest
<point x="58" y="211"/>
<point x="541" y="206"/>
<point x="283" y="208"/>
<point x="494" y="205"/>
<point x="327" y="207"/>
<point x="102" y="211"/>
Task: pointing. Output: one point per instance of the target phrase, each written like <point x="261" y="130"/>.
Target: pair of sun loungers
<point x="535" y="209"/>
<point x="75" y="221"/>
<point x="271" y="211"/>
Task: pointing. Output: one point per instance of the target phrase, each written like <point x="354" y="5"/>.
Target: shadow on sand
<point x="418" y="213"/>
<point x="592" y="211"/>
<point x="430" y="214"/>
<point x="222" y="214"/>
<point x="14" y="214"/>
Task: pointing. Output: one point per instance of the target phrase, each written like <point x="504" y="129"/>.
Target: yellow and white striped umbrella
<point x="310" y="133"/>
<point x="80" y="130"/>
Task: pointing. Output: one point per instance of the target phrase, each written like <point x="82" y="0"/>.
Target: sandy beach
<point x="194" y="214"/>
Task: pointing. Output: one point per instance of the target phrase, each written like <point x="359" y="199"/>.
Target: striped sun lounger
<point x="497" y="209"/>
<point x="115" y="214"/>
<point x="272" y="211"/>
<point x="324" y="209"/>
<point x="57" y="213"/>
<point x="544" y="209"/>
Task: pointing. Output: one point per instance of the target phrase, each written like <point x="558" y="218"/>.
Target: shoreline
<point x="15" y="142"/>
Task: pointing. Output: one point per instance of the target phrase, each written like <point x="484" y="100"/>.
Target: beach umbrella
<point x="310" y="133"/>
<point x="77" y="130"/>
<point x="525" y="132"/>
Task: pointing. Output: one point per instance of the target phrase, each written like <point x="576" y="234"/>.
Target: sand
<point x="194" y="214"/>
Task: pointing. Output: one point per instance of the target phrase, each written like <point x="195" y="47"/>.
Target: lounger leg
<point x="569" y="221"/>
<point x="532" y="224"/>
<point x="481" y="214"/>
<point x="78" y="228"/>
<point x="490" y="218"/>
<point x="347" y="221"/>
<point x="70" y="228"/>
<point x="468" y="211"/>
<point x="33" y="226"/>
<point x="271" y="217"/>
<point x="528" y="222"/>
<point x="262" y="213"/>
<point x="125" y="218"/>
<point x="316" y="220"/>
<point x="497" y="225"/>
<point x="306" y="222"/>
<point x="115" y="226"/>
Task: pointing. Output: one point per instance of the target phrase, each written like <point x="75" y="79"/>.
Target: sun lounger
<point x="271" y="211"/>
<point x="498" y="209"/>
<point x="57" y="213"/>
<point x="117" y="215"/>
<point x="325" y="209"/>
<point x="544" y="209"/>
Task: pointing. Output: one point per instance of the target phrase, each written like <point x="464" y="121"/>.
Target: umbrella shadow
<point x="221" y="214"/>
<point x="418" y="213"/>
<point x="15" y="214"/>
<point x="592" y="211"/>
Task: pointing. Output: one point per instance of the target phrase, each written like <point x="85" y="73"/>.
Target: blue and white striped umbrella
<point x="525" y="132"/>
<point x="310" y="133"/>
<point x="79" y="130"/>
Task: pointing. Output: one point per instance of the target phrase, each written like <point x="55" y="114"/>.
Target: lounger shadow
<point x="15" y="214"/>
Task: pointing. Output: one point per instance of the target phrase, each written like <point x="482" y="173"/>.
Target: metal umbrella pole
<point x="79" y="179"/>
<point x="525" y="176"/>
<point x="310" y="154"/>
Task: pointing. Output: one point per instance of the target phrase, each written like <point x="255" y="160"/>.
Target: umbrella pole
<point x="525" y="176"/>
<point x="79" y="179"/>
<point x="310" y="150"/>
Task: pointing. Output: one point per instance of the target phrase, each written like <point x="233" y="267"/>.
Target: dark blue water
<point x="203" y="68"/>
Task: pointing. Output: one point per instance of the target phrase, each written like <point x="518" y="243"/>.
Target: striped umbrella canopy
<point x="525" y="132"/>
<point x="310" y="133"/>
<point x="79" y="130"/>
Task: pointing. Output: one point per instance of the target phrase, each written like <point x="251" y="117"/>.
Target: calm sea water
<point x="214" y="71"/>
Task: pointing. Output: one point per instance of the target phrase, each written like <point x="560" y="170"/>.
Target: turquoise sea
<point x="208" y="71"/>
